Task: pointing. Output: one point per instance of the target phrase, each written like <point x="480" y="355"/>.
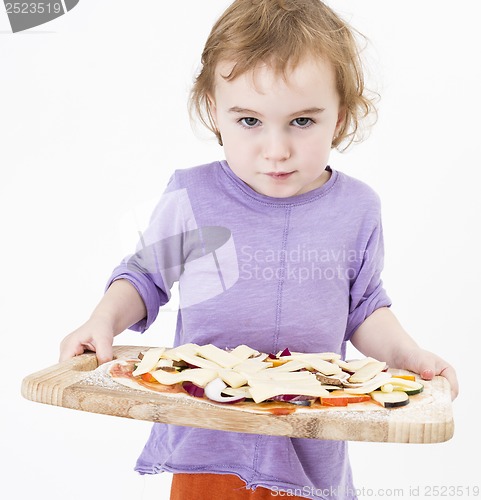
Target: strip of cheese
<point x="252" y="365"/>
<point x="176" y="352"/>
<point x="379" y="380"/>
<point x="312" y="361"/>
<point x="219" y="356"/>
<point x="290" y="366"/>
<point x="326" y="356"/>
<point x="290" y="376"/>
<point x="367" y="372"/>
<point x="200" y="362"/>
<point x="149" y="361"/>
<point x="243" y="352"/>
<point x="353" y="366"/>
<point x="262" y="390"/>
<point x="198" y="376"/>
<point x="232" y="378"/>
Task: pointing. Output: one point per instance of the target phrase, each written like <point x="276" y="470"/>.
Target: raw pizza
<point x="244" y="374"/>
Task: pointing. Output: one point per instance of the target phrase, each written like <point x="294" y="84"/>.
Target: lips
<point x="279" y="175"/>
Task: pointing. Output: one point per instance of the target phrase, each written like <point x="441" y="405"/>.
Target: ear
<point x="212" y="109"/>
<point x="341" y="120"/>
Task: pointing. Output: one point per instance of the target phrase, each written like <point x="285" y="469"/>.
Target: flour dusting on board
<point x="100" y="376"/>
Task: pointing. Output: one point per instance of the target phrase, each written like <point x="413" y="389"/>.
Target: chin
<point x="278" y="193"/>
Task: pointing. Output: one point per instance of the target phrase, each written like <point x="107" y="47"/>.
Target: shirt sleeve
<point x="157" y="262"/>
<point x="367" y="292"/>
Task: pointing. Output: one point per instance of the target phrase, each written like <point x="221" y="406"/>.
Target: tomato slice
<point x="148" y="377"/>
<point x="335" y="401"/>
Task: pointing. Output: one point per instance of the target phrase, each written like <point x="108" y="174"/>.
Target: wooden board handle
<point x="59" y="376"/>
<point x="47" y="386"/>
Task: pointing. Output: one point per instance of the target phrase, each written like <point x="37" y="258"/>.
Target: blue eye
<point x="302" y="122"/>
<point x="249" y="122"/>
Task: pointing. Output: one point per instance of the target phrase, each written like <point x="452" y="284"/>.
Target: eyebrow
<point x="302" y="112"/>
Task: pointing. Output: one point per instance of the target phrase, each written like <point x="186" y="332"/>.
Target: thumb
<point x="427" y="373"/>
<point x="104" y="350"/>
<point x="422" y="362"/>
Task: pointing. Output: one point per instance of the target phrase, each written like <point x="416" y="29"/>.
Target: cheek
<point x="237" y="141"/>
<point x="231" y="142"/>
<point x="235" y="152"/>
<point x="317" y="149"/>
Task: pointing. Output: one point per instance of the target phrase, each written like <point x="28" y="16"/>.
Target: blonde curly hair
<point x="280" y="33"/>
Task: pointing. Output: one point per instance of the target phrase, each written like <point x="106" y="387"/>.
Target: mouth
<point x="279" y="175"/>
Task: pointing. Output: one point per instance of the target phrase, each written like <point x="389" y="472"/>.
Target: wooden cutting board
<point x="79" y="384"/>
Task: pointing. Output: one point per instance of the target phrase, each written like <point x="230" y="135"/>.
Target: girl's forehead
<point x="308" y="73"/>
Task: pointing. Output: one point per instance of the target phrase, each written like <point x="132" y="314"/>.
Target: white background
<point x="93" y="121"/>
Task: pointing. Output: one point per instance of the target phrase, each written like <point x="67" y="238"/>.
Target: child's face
<point x="277" y="134"/>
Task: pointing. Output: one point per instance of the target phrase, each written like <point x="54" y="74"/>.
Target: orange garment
<point x="216" y="487"/>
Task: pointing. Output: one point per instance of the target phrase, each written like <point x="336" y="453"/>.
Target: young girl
<point x="271" y="247"/>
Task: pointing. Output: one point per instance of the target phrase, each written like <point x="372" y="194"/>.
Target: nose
<point x="276" y="147"/>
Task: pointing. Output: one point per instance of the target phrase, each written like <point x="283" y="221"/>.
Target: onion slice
<point x="213" y="390"/>
<point x="193" y="389"/>
<point x="294" y="399"/>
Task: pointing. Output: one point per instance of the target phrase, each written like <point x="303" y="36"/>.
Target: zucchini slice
<point x="410" y="387"/>
<point x="390" y="399"/>
<point x="410" y="391"/>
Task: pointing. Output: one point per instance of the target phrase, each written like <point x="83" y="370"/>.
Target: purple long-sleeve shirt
<point x="301" y="272"/>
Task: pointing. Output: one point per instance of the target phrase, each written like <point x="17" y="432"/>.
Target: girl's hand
<point x="428" y="365"/>
<point x="382" y="337"/>
<point x="92" y="336"/>
<point x="120" y="307"/>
